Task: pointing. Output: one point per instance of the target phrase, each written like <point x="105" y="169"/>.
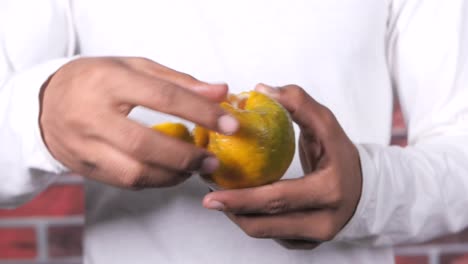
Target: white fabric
<point x="347" y="54"/>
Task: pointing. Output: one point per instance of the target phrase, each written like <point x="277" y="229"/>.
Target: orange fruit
<point x="176" y="130"/>
<point x="261" y="150"/>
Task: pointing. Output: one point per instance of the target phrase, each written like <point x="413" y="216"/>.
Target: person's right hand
<point x="84" y="108"/>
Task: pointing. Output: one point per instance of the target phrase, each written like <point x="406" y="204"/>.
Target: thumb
<point x="313" y="118"/>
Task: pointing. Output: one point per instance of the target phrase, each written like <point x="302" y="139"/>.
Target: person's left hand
<point x="302" y="212"/>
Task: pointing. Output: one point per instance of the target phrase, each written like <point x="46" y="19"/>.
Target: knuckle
<point x="328" y="116"/>
<point x="276" y="206"/>
<point x="332" y="195"/>
<point x="136" y="140"/>
<point x="137" y="61"/>
<point x="330" y="129"/>
<point x="295" y="92"/>
<point x="165" y="96"/>
<point x="133" y="178"/>
<point x="91" y="74"/>
<point x="72" y="119"/>
<point x="76" y="121"/>
<point x="192" y="80"/>
<point x="336" y="198"/>
<point x="93" y="69"/>
<point x="89" y="127"/>
<point x="170" y="180"/>
<point x="328" y="119"/>
<point x="190" y="161"/>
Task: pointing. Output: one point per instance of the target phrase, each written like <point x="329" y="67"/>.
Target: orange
<point x="262" y="149"/>
<point x="176" y="130"/>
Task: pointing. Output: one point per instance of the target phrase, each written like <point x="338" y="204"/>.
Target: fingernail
<point x="215" y="205"/>
<point x="267" y="90"/>
<point x="228" y="124"/>
<point x="209" y="165"/>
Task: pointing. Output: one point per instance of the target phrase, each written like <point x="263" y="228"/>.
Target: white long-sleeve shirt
<point x="348" y="54"/>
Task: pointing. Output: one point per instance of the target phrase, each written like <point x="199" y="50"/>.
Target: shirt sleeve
<point x="419" y="192"/>
<point x="36" y="38"/>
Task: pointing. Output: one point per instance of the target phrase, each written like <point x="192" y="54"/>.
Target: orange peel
<point x="261" y="150"/>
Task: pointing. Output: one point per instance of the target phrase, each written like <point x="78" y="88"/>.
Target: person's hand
<point x="83" y="120"/>
<point x="301" y="212"/>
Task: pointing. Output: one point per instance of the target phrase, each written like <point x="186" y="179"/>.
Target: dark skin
<point x="84" y="108"/>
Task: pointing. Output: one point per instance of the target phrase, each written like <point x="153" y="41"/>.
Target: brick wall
<point x="49" y="228"/>
<point x="452" y="249"/>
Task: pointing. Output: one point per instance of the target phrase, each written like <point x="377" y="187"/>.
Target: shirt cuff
<point x="359" y="226"/>
<point x="30" y="82"/>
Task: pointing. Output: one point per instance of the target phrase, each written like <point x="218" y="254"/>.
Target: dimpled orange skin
<point x="260" y="152"/>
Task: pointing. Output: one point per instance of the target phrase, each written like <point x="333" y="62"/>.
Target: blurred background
<point x="49" y="228"/>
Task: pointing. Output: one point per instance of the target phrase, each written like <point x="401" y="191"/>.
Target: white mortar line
<point x="433" y="255"/>
<point x="32" y="221"/>
<point x="70" y="260"/>
<point x="42" y="241"/>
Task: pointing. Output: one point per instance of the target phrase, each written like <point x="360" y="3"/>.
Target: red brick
<point x="59" y="200"/>
<point x="398" y="126"/>
<point x="398" y="119"/>
<point x="454" y="258"/>
<point x="411" y="260"/>
<point x="17" y="243"/>
<point x="65" y="241"/>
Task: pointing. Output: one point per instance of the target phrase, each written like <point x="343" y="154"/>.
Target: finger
<point x="175" y="100"/>
<point x="304" y="156"/>
<point x="156" y="176"/>
<point x="215" y="92"/>
<point x="312" y="226"/>
<point x="152" y="147"/>
<point x="297" y="244"/>
<point x="311" y="152"/>
<point x="289" y="195"/>
<point x="100" y="161"/>
<point x="312" y="117"/>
